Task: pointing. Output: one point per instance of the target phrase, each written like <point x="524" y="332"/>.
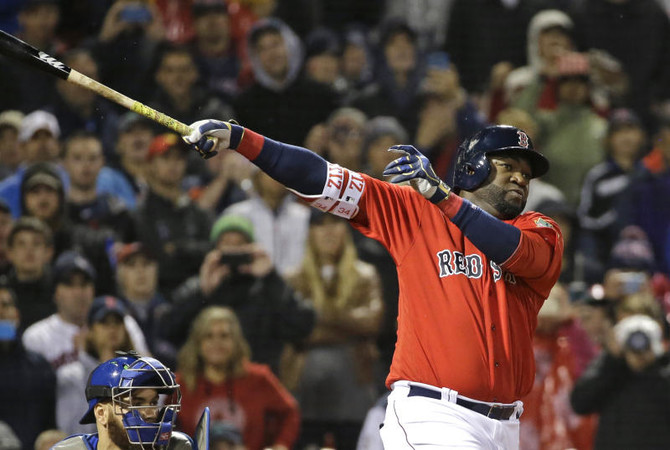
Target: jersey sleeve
<point x="539" y="256"/>
<point x="390" y="214"/>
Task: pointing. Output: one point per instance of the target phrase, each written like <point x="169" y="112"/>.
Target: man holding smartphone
<point x="239" y="274"/>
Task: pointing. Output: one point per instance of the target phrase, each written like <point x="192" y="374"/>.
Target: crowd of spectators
<point x="114" y="235"/>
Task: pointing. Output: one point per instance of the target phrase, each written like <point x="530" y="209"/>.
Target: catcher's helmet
<point x="472" y="166"/>
<point x="101" y="381"/>
<point x="118" y="380"/>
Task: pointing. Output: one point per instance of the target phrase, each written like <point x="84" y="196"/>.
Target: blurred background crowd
<point x="114" y="236"/>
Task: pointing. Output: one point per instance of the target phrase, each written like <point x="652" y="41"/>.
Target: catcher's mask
<point x="143" y="392"/>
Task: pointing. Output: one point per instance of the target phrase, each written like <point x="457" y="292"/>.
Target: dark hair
<point x="271" y="26"/>
<point x="33" y="225"/>
<point x="78" y="135"/>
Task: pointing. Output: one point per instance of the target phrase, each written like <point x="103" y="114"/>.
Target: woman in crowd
<point x="214" y="369"/>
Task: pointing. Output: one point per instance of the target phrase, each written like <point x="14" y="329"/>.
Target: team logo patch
<point x="540" y="222"/>
<point x="523" y="139"/>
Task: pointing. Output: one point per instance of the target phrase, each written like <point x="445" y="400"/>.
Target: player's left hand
<point x="207" y="135"/>
<point x="415" y="168"/>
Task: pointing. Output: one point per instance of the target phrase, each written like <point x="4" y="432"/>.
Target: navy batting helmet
<point x="472" y="166"/>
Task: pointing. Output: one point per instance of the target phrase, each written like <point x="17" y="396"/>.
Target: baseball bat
<point x="16" y="49"/>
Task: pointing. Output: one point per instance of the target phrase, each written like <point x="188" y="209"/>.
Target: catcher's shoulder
<point x="76" y="442"/>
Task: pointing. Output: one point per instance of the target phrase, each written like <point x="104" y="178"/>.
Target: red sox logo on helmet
<point x="523" y="139"/>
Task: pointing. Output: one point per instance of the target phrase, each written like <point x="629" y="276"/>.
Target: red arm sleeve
<point x="539" y="256"/>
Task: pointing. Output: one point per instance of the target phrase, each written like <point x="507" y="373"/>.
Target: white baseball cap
<point x="38" y="120"/>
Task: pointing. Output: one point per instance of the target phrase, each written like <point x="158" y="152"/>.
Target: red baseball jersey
<point x="464" y="322"/>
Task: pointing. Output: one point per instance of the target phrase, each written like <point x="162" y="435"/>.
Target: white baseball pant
<point x="419" y="422"/>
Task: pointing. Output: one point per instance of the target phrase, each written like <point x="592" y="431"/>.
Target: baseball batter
<point x="473" y="273"/>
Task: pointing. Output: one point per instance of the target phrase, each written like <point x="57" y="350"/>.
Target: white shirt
<point x="282" y="234"/>
<point x="54" y="339"/>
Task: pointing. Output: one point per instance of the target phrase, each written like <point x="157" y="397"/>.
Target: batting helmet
<point x="472" y="166"/>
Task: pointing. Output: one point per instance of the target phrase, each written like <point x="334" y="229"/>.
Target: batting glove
<point x="415" y="169"/>
<point x="207" y="135"/>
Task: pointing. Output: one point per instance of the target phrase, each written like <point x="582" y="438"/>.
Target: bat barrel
<point x="14" y="48"/>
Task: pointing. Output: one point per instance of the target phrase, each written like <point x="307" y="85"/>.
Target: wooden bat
<point x="16" y="49"/>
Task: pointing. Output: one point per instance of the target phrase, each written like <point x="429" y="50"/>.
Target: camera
<point x="135" y="13"/>
<point x="235" y="260"/>
<point x="639" y="333"/>
<point x="632" y="281"/>
<point x="438" y="60"/>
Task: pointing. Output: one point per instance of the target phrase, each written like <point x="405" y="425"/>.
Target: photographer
<point x="238" y="274"/>
<point x="628" y="384"/>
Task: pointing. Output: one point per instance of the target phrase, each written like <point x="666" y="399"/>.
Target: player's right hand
<point x="415" y="168"/>
<point x="207" y="135"/>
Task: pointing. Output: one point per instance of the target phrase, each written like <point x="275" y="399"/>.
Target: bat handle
<point x="133" y="105"/>
<point x="159" y="117"/>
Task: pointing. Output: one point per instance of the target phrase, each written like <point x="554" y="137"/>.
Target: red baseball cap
<point x="164" y="142"/>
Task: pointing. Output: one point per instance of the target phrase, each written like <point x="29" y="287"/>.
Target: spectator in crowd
<point x="280" y="102"/>
<point x="572" y="134"/>
<point x="105" y="333"/>
<point x="562" y="351"/>
<point x="30" y="249"/>
<point x="137" y="277"/>
<point x="645" y="203"/>
<point x="48" y="438"/>
<point x="10" y="152"/>
<point x="215" y="370"/>
<point x="38" y="139"/>
<point x="607" y="183"/>
<point x="430" y="19"/>
<point x="239" y="274"/>
<point x="171" y="226"/>
<point x="90" y="201"/>
<point x="628" y="385"/>
<point x="225" y="436"/>
<point x="630" y="265"/>
<point x="381" y="133"/>
<point x="213" y="48"/>
<point x="336" y="365"/>
<point x="129" y="167"/>
<point x="345" y="135"/>
<point x="27" y="379"/>
<point x="37" y="25"/>
<point x="177" y="93"/>
<point x="473" y="25"/>
<point x="535" y="86"/>
<point x="280" y="222"/>
<point x="43" y="197"/>
<point x="125" y="45"/>
<point x="78" y="108"/>
<point x="56" y="337"/>
<point x="322" y="58"/>
<point x="243" y="16"/>
<point x="221" y="182"/>
<point x="356" y="65"/>
<point x="446" y="115"/>
<point x="597" y="26"/>
<point x="6" y="223"/>
<point x="398" y="77"/>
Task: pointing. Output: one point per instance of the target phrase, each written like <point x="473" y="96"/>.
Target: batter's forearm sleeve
<point x="496" y="239"/>
<point x="295" y="167"/>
